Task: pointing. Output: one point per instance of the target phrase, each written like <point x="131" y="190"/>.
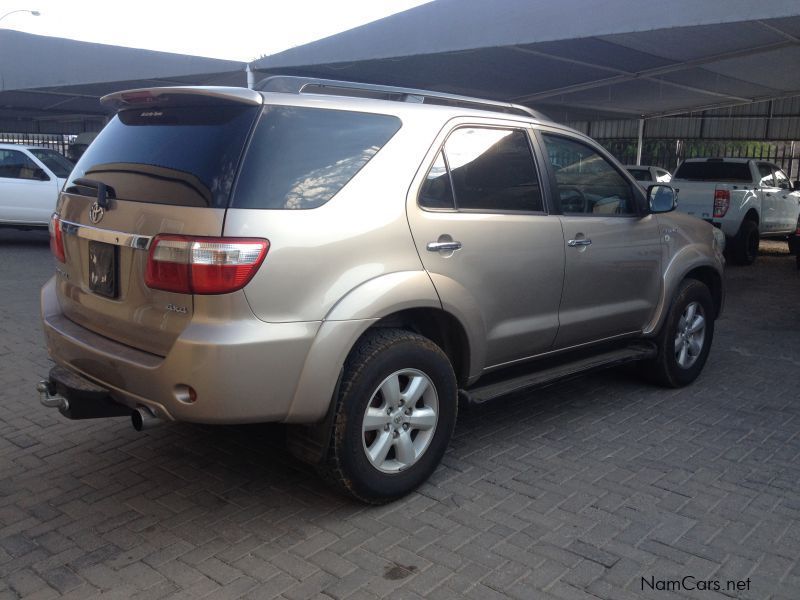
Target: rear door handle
<point x="573" y="243"/>
<point x="439" y="246"/>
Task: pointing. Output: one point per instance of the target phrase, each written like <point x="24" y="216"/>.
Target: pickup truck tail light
<point x="203" y="265"/>
<point x="722" y="202"/>
<point x="57" y="238"/>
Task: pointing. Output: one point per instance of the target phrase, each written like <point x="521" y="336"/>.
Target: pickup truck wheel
<point x="744" y="249"/>
<point x="395" y="415"/>
<point x="685" y="338"/>
<point x="794" y="244"/>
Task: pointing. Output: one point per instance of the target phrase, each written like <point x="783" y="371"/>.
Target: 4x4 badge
<point x="96" y="213"/>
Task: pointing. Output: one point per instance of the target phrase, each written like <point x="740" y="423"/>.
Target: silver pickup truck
<point x="746" y="198"/>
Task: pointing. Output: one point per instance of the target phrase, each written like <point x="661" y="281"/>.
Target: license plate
<point x="103" y="269"/>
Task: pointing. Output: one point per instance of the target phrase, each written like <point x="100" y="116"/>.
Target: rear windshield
<point x="714" y="171"/>
<point x="60" y="165"/>
<point x="176" y="155"/>
<point x="299" y="158"/>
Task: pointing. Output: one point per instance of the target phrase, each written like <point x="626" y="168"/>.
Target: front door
<point x="483" y="233"/>
<point x="771" y="201"/>
<point x="27" y="194"/>
<point x="613" y="248"/>
<point x="789" y="200"/>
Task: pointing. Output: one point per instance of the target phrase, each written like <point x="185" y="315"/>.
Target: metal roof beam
<point x="648" y="74"/>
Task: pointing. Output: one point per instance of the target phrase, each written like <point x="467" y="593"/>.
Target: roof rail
<point x="313" y="85"/>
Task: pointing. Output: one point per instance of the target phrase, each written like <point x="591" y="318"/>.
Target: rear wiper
<point x="104" y="192"/>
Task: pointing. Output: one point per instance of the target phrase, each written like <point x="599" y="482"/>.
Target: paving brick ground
<point x="577" y="492"/>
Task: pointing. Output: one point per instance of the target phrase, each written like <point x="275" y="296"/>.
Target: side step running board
<point x="547" y="376"/>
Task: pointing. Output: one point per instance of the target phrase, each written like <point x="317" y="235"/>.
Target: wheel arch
<point x="439" y="326"/>
<point x="692" y="262"/>
<point x="405" y="300"/>
<point x="713" y="281"/>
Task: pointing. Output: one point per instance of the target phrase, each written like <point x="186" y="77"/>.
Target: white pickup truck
<point x="746" y="198"/>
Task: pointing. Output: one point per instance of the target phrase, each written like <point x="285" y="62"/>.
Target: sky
<point x="232" y="29"/>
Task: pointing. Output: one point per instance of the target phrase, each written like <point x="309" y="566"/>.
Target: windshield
<point x="60" y="165"/>
<point x="173" y="155"/>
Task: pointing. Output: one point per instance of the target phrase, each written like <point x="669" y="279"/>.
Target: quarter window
<point x="16" y="165"/>
<point x="299" y="157"/>
<point x="490" y="169"/>
<point x="587" y="183"/>
<point x="437" y="192"/>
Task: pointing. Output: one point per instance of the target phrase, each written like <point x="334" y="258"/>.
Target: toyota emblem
<point x="96" y="213"/>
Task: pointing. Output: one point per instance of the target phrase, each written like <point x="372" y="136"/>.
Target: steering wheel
<point x="572" y="199"/>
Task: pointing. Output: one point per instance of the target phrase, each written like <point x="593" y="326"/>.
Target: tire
<point x="671" y="368"/>
<point x="744" y="247"/>
<point x="381" y="449"/>
<point x="794" y="244"/>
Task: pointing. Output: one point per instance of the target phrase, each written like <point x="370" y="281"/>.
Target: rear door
<point x="612" y="275"/>
<point x="484" y="235"/>
<point x="168" y="167"/>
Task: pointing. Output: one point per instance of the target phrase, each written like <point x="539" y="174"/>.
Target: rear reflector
<point x="57" y="238"/>
<point x="722" y="201"/>
<point x="203" y="265"/>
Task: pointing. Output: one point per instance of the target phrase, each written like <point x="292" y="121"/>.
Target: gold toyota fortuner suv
<point x="352" y="260"/>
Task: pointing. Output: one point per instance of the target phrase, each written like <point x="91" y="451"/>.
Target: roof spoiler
<point x="164" y="96"/>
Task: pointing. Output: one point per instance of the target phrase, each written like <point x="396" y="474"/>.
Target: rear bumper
<point x="243" y="371"/>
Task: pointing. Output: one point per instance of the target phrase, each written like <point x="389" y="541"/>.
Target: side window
<point x="663" y="176"/>
<point x="781" y="180"/>
<point x="493" y="169"/>
<point x="16" y="165"/>
<point x="587" y="182"/>
<point x="765" y="172"/>
<point x="437" y="192"/>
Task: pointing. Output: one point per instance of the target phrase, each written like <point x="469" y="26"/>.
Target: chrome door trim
<point x="108" y="236"/>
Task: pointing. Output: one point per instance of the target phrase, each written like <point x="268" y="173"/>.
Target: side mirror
<point x="40" y="175"/>
<point x="796" y="185"/>
<point x="662" y="198"/>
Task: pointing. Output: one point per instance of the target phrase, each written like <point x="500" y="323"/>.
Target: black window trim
<point x="544" y="190"/>
<point x="636" y="189"/>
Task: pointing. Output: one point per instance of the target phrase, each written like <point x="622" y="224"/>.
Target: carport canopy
<point x="47" y="78"/>
<point x="573" y="59"/>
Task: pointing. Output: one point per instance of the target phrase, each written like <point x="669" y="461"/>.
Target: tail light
<point x="722" y="201"/>
<point x="203" y="265"/>
<point x="57" y="238"/>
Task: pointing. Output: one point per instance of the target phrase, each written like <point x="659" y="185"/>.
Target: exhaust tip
<point x="143" y="418"/>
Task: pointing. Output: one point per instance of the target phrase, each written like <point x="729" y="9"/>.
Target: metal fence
<point x="58" y="142"/>
<point x="669" y="153"/>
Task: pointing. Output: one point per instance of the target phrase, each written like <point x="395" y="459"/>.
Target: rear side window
<point x="57" y="163"/>
<point x="490" y="169"/>
<point x="640" y="174"/>
<point x="299" y="158"/>
<point x="176" y="155"/>
<point x="714" y="171"/>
